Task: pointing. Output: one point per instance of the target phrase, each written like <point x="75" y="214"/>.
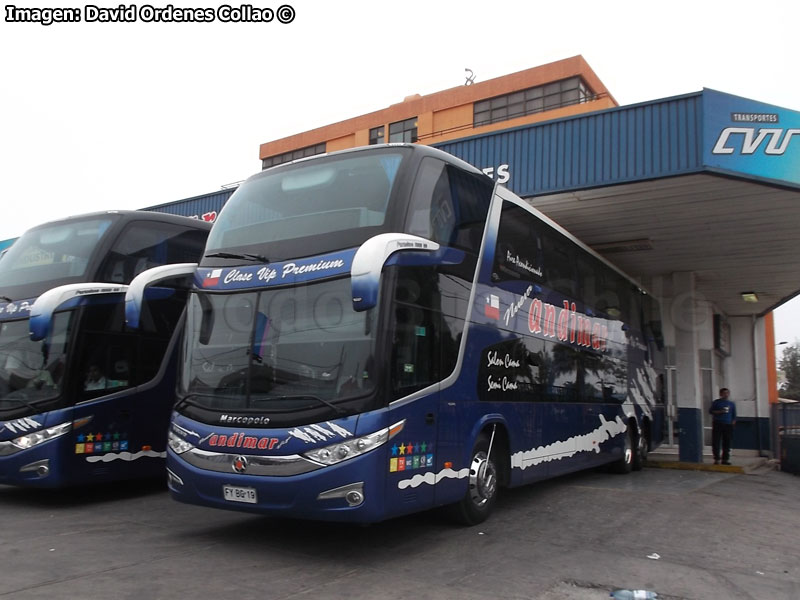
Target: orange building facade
<point x="552" y="91"/>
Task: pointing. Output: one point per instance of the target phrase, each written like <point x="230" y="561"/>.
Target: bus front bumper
<point x="33" y="467"/>
<point x="350" y="491"/>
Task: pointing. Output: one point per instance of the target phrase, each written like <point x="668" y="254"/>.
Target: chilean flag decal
<point x="212" y="278"/>
<point x="492" y="307"/>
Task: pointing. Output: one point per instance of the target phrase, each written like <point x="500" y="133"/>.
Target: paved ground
<point x="683" y="534"/>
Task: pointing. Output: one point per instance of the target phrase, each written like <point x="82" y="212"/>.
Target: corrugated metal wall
<point x="201" y="207"/>
<point x="643" y="141"/>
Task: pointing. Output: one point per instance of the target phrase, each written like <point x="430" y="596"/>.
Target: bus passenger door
<point x="417" y="341"/>
<point x="124" y="386"/>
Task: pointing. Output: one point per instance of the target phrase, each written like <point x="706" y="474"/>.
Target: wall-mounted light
<point x="749" y="296"/>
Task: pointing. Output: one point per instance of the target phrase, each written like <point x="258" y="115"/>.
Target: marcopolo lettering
<point x="243" y="420"/>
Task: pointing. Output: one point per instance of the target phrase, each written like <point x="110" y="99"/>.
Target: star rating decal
<point x="101" y="442"/>
<point x="409" y="456"/>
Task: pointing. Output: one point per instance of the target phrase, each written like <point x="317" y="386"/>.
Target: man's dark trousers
<point x="721" y="433"/>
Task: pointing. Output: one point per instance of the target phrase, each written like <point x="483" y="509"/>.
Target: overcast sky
<point x="126" y="115"/>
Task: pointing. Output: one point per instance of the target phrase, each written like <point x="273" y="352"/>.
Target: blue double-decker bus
<point x="382" y="330"/>
<point x="83" y="398"/>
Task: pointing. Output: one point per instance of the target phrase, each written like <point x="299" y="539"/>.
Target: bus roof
<point x="139" y="215"/>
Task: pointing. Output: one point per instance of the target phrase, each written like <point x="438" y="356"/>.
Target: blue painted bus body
<point x="83" y="399"/>
<point x="550" y="381"/>
<point x="426" y="463"/>
<point x="119" y="435"/>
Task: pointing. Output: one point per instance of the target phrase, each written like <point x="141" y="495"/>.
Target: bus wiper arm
<point x="245" y="256"/>
<point x="338" y="409"/>
<point x="20" y="401"/>
<point x="185" y="400"/>
<point x="6" y="298"/>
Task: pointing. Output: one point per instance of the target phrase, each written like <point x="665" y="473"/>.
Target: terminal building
<point x="696" y="196"/>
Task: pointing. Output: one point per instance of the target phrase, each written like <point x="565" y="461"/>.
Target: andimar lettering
<point x="569" y="326"/>
<point x="240" y="440"/>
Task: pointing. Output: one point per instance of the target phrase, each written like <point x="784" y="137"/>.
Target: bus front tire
<point x="476" y="505"/>
<point x="642" y="447"/>
<point x="625" y="463"/>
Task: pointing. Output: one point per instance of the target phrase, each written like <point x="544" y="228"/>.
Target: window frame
<point x="541" y="98"/>
<point x="279" y="159"/>
<point x="406" y="129"/>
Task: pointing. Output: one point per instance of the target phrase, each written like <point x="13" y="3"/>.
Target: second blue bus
<point x="83" y="398"/>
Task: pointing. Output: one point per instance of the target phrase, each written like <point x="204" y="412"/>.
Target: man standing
<point x="724" y="412"/>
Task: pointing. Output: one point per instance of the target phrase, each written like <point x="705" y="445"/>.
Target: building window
<point x="530" y="101"/>
<point x="403" y="131"/>
<point x="376" y="135"/>
<point x="266" y="163"/>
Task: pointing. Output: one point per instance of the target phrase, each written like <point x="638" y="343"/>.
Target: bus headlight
<point x="341" y="451"/>
<point x="177" y="443"/>
<point x="30" y="440"/>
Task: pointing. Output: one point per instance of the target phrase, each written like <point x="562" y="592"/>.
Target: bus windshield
<point x="278" y="350"/>
<point x="55" y="251"/>
<point x="31" y="371"/>
<point x="332" y="195"/>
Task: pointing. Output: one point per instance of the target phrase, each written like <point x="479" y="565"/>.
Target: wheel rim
<point x="628" y="450"/>
<point x="482" y="480"/>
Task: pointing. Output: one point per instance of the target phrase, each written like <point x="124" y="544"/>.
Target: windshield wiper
<point x="251" y="257"/>
<point x="185" y="400"/>
<point x="6" y="298"/>
<point x="20" y="401"/>
<point x="338" y="409"/>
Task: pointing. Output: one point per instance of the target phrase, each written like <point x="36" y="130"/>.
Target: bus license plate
<point x="239" y="494"/>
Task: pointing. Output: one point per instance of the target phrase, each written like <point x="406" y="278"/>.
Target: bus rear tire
<point x="476" y="505"/>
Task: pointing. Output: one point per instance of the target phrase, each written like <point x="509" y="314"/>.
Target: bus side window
<point x="589" y="279"/>
<point x="147" y="244"/>
<point x="111" y="358"/>
<point x="160" y="316"/>
<point x="471" y="195"/>
<point x="558" y="264"/>
<point x="449" y="206"/>
<point x="415" y="344"/>
<point x="518" y="254"/>
<point x="427" y="215"/>
<point x="106" y="353"/>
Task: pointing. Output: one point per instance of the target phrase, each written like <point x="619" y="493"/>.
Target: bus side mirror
<point x="365" y="273"/>
<point x="134" y="297"/>
<point x="41" y="318"/>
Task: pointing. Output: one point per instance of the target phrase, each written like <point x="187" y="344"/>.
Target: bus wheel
<point x="625" y="463"/>
<point x="477" y="503"/>
<point x="640" y="456"/>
